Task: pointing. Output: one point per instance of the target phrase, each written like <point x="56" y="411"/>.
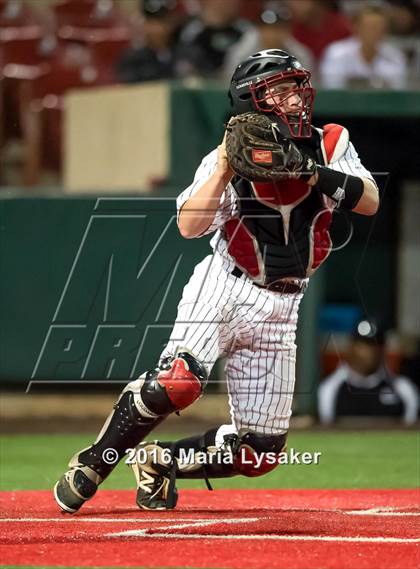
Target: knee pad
<point x="257" y="454"/>
<point x="176" y="383"/>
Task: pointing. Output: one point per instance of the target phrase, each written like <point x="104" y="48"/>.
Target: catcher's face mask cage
<point x="268" y="97"/>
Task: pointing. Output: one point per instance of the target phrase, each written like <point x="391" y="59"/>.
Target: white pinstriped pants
<point x="220" y="314"/>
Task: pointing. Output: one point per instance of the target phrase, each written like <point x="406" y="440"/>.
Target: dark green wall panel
<point x="89" y="289"/>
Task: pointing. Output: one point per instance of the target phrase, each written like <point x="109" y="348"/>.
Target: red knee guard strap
<point x="181" y="385"/>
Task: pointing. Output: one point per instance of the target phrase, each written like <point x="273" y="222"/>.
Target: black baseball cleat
<point x="73" y="489"/>
<point x="155" y="482"/>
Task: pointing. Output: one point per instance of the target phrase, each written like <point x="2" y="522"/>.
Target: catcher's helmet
<point x="254" y="79"/>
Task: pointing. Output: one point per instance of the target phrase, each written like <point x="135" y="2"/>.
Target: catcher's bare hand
<point x="223" y="167"/>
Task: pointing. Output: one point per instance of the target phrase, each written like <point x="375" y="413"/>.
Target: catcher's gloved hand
<point x="257" y="151"/>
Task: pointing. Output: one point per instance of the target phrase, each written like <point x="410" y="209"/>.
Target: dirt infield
<point x="293" y="529"/>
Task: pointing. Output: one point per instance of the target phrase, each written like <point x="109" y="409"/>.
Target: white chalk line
<point x="202" y="523"/>
<point x="181" y="523"/>
<point x="138" y="520"/>
<point x="381" y="511"/>
<point x="143" y="534"/>
<point x="384" y="511"/>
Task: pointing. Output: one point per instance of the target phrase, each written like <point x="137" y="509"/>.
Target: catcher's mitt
<point x="257" y="151"/>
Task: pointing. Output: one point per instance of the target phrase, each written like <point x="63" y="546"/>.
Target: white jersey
<point x="221" y="314"/>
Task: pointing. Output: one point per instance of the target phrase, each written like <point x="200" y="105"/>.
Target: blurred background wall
<point x="107" y="108"/>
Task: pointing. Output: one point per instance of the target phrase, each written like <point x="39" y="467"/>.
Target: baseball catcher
<point x="267" y="193"/>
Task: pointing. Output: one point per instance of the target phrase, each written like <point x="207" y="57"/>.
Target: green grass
<point x="371" y="459"/>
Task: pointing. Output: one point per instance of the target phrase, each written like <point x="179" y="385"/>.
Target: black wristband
<point x="344" y="189"/>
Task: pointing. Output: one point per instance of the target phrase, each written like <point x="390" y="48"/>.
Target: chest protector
<point x="282" y="228"/>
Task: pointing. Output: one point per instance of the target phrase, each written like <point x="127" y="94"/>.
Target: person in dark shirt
<point x="363" y="385"/>
<point x="205" y="41"/>
<point x="154" y="59"/>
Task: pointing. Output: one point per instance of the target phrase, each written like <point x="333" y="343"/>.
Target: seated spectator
<point x="154" y="59"/>
<point x="273" y="32"/>
<point x="410" y="364"/>
<point x="363" y="385"/>
<point x="206" y="40"/>
<point x="317" y="23"/>
<point x="366" y="59"/>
